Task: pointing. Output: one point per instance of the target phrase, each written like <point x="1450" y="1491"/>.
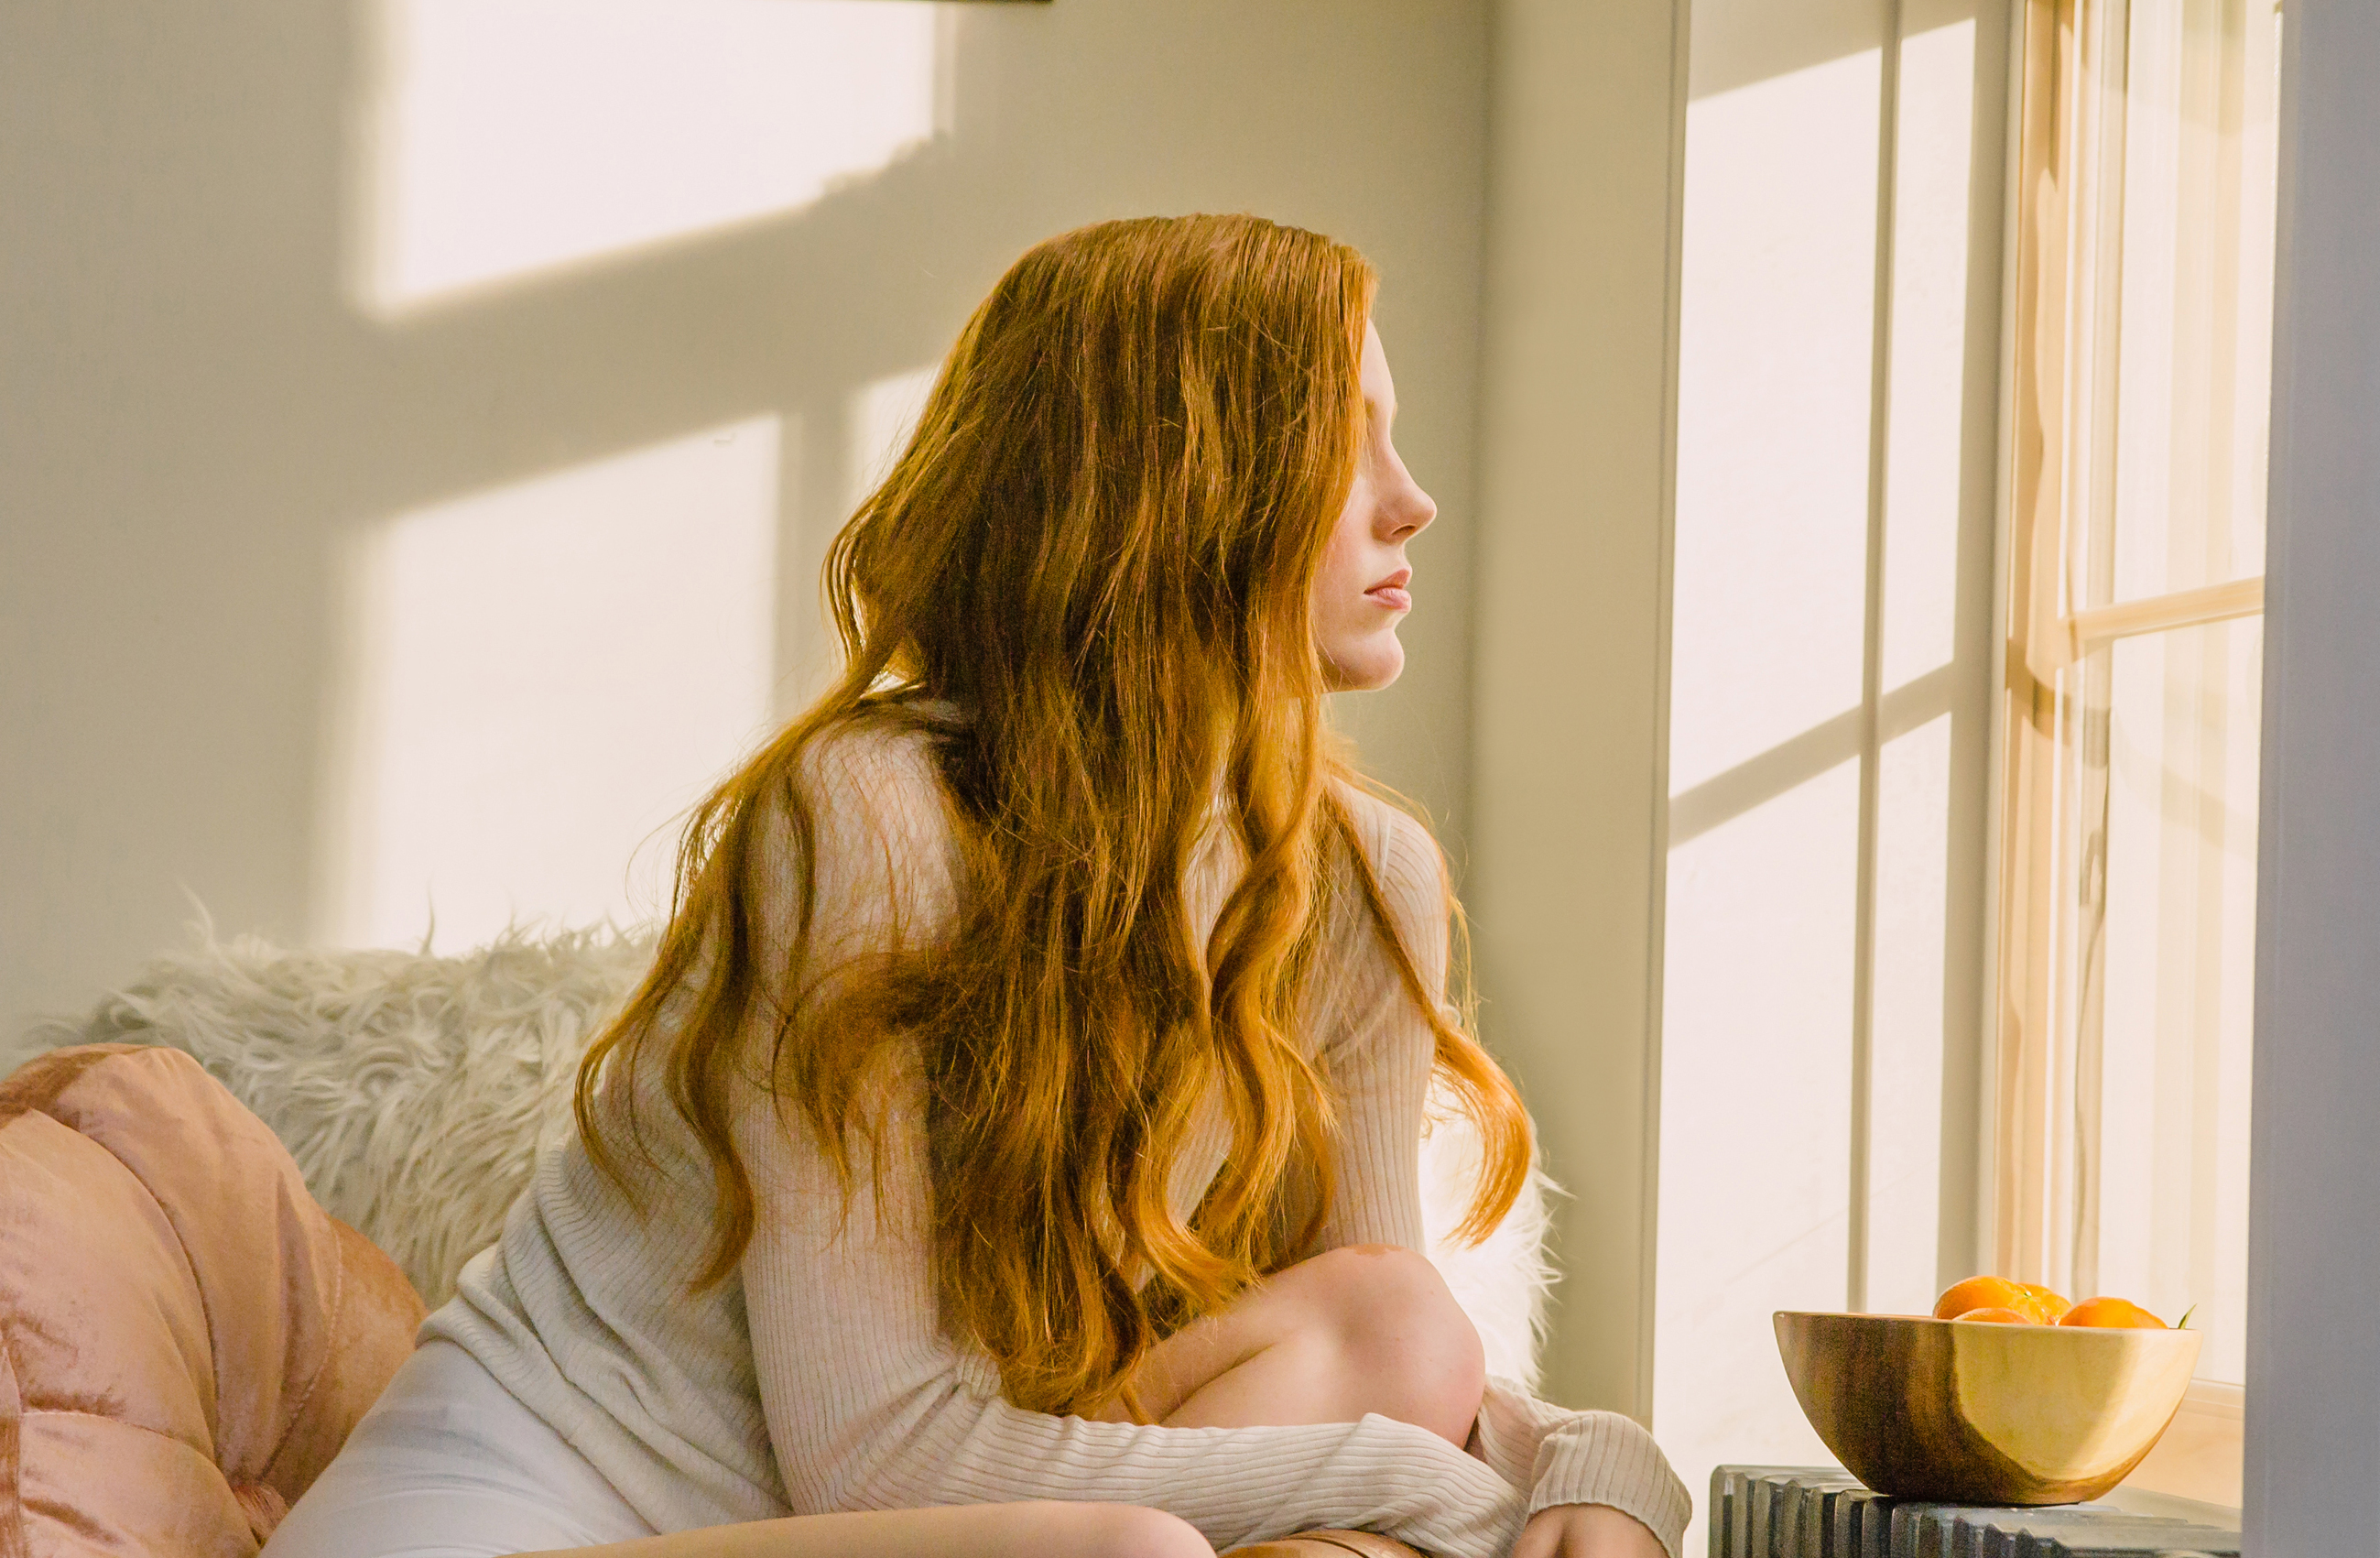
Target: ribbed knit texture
<point x="819" y="1378"/>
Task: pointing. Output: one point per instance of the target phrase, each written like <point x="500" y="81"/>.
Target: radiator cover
<point x="1823" y="1512"/>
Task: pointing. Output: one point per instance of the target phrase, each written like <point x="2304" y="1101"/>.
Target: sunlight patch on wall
<point x="1904" y="1174"/>
<point x="1932" y="157"/>
<point x="1776" y="377"/>
<point x="1792" y="772"/>
<point x="1774" y="373"/>
<point x="883" y="415"/>
<point x="1755" y="1117"/>
<point x="504" y="138"/>
<point x="538" y="678"/>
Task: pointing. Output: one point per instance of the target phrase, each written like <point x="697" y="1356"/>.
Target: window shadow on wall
<point x="261" y="527"/>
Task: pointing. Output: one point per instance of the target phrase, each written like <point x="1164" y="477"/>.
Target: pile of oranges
<point x="1998" y="1301"/>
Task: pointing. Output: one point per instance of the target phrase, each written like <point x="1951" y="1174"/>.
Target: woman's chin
<point x="1368" y="668"/>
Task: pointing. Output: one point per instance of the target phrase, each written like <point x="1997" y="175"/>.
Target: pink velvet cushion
<point x="186" y="1337"/>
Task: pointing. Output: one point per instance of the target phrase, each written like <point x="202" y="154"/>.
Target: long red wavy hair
<point x="1100" y="548"/>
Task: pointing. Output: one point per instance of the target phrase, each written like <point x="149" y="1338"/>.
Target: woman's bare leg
<point x="1043" y="1529"/>
<point x="1364" y="1329"/>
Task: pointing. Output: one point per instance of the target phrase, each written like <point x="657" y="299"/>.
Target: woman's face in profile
<point x="1364" y="588"/>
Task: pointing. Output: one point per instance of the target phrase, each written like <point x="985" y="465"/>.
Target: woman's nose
<point x="1413" y="511"/>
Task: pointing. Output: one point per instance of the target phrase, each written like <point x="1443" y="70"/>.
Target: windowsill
<point x="2166" y="1506"/>
<point x="2199" y="1457"/>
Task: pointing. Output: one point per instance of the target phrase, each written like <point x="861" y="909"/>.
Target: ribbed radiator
<point x="1822" y="1512"/>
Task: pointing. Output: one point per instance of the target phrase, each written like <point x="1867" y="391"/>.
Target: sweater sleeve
<point x="870" y="1404"/>
<point x="1380" y="1053"/>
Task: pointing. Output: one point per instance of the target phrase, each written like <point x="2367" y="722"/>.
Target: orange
<point x="1998" y="1317"/>
<point x="2115" y="1313"/>
<point x="2052" y="1303"/>
<point x="1986" y="1293"/>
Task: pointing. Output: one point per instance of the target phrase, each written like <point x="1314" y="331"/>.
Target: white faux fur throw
<point x="412" y="1090"/>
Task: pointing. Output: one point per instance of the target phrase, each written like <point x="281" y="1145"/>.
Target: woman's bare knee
<point x="1123" y="1530"/>
<point x="1355" y="1331"/>
<point x="1408" y="1349"/>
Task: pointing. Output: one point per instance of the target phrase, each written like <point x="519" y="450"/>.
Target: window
<point x="2146" y="160"/>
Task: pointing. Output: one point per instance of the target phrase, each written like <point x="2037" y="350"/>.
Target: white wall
<point x="1574" y="478"/>
<point x="2314" y="1249"/>
<point x="423" y="418"/>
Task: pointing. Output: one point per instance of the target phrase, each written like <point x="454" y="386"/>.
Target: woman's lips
<point x="1389" y="595"/>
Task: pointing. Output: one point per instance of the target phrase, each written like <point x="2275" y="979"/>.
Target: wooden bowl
<point x="1965" y="1412"/>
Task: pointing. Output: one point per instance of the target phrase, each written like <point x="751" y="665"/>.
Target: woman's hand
<point x="1585" y="1530"/>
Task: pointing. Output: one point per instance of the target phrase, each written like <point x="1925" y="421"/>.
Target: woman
<point x="1014" y="1150"/>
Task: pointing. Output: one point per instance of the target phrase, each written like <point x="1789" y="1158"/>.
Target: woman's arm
<point x="1378" y="1051"/>
<point x="869" y="1406"/>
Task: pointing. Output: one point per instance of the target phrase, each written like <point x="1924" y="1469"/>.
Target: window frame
<point x="2065" y="229"/>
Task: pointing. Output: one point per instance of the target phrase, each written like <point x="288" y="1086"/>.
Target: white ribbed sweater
<point x="820" y="1379"/>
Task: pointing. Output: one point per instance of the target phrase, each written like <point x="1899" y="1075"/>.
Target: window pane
<point x="2177" y="965"/>
<point x="2195" y="301"/>
<point x="2142" y="379"/>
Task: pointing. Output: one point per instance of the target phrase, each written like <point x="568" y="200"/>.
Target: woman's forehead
<point x="1373" y="372"/>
